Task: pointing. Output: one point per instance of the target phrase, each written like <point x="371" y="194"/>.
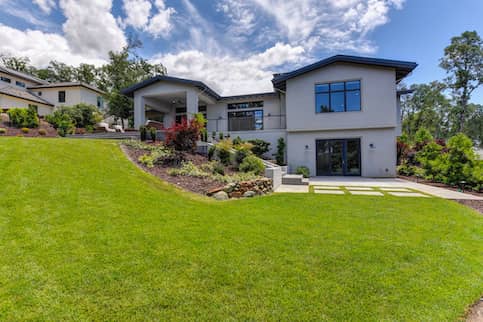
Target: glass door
<point x="338" y="157"/>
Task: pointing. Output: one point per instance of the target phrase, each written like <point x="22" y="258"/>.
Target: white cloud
<point x="45" y="5"/>
<point x="319" y="24"/>
<point x="41" y="47"/>
<point x="90" y="28"/>
<point x="137" y="12"/>
<point x="230" y="75"/>
<point x="241" y="16"/>
<point x="160" y="24"/>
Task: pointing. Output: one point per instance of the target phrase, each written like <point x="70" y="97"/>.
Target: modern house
<point x="339" y="116"/>
<point x="21" y="90"/>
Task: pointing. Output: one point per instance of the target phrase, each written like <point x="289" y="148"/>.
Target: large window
<point x="100" y="102"/>
<point x="338" y="97"/>
<point x="245" y="120"/>
<point x="61" y="96"/>
<point x="5" y="79"/>
<point x="21" y="84"/>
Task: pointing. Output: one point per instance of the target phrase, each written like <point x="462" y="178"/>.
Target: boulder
<point x="215" y="190"/>
<point x="249" y="194"/>
<point x="221" y="195"/>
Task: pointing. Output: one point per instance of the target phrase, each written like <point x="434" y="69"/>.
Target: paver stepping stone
<point x="326" y="188"/>
<point x="330" y="192"/>
<point x="408" y="194"/>
<point x="359" y="188"/>
<point x="367" y="193"/>
<point x="395" y="189"/>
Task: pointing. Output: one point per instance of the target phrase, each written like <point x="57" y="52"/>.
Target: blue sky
<point x="235" y="45"/>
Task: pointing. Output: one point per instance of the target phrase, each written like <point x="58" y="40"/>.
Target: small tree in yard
<point x="280" y="156"/>
<point x="183" y="136"/>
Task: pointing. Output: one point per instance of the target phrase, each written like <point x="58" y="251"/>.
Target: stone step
<point x="294" y="179"/>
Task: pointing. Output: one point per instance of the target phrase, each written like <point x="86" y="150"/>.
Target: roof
<point x="67" y="84"/>
<point x="23" y="75"/>
<point x="130" y="90"/>
<point x="405" y="92"/>
<point x="403" y="68"/>
<point x="22" y="93"/>
<point x="248" y="96"/>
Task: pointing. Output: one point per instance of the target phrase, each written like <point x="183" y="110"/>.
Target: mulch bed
<point x="12" y="131"/>
<point x="197" y="185"/>
<point x="475" y="204"/>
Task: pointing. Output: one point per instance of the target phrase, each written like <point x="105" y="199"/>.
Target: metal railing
<point x="252" y="123"/>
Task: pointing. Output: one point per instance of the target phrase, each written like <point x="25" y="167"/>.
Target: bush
<point x="237" y="141"/>
<point x="21" y="117"/>
<point x="143" y="133"/>
<point x="252" y="164"/>
<point x="260" y="147"/>
<point x="303" y="171"/>
<point x="158" y="155"/>
<point x="211" y="152"/>
<point x="223" y="151"/>
<point x="427" y="158"/>
<point x="221" y="136"/>
<point x="422" y="137"/>
<point x="42" y="132"/>
<point x="3" y="130"/>
<point x="183" y="136"/>
<point x="61" y="121"/>
<point x="188" y="169"/>
<point x="152" y="133"/>
<point x="243" y="150"/>
<point x="25" y="130"/>
<point x="280" y="156"/>
<point x="213" y="167"/>
<point x="80" y="116"/>
<point x="461" y="160"/>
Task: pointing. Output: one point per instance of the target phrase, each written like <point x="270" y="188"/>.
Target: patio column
<point x="191" y="104"/>
<point x="139" y="111"/>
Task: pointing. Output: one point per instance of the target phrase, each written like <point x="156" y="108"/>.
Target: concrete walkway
<point x="324" y="184"/>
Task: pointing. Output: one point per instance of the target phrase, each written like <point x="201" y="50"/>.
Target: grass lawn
<point x="86" y="235"/>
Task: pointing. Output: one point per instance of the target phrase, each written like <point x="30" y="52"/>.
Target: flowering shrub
<point x="183" y="136"/>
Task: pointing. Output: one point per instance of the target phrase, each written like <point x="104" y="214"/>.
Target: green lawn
<point x="86" y="235"/>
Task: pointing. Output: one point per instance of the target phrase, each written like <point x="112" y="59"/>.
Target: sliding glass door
<point x="338" y="157"/>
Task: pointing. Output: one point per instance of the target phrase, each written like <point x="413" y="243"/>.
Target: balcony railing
<point x="233" y="124"/>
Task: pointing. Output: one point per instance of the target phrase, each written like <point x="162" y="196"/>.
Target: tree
<point x="20" y="64"/>
<point x="463" y="62"/>
<point x="474" y="124"/>
<point x="86" y="73"/>
<point x="60" y="72"/>
<point x="123" y="70"/>
<point x="426" y="107"/>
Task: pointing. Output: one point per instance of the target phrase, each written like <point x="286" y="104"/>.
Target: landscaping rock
<point x="215" y="190"/>
<point x="4" y="118"/>
<point x="221" y="195"/>
<point x="249" y="194"/>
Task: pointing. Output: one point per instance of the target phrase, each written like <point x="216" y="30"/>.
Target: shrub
<point x="237" y="141"/>
<point x="204" y="135"/>
<point x="213" y="167"/>
<point x="280" y="155"/>
<point x="158" y="155"/>
<point x="213" y="135"/>
<point x="252" y="164"/>
<point x="42" y="132"/>
<point x="243" y="149"/>
<point x="461" y="159"/>
<point x="422" y="137"/>
<point x="211" y="152"/>
<point x="303" y="171"/>
<point x="221" y="136"/>
<point x="402" y="150"/>
<point x="21" y="117"/>
<point x="427" y="157"/>
<point x="183" y="136"/>
<point x="3" y="130"/>
<point x="260" y="147"/>
<point x="223" y="151"/>
<point x="143" y="133"/>
<point x="152" y="133"/>
<point x="25" y="130"/>
<point x="188" y="169"/>
<point x="61" y="121"/>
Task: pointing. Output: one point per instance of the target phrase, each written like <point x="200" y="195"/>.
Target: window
<point x="245" y="120"/>
<point x="5" y="79"/>
<point x="100" y="102"/>
<point x="245" y="105"/>
<point x="61" y="96"/>
<point x="39" y="93"/>
<point x="338" y="97"/>
<point x="21" y="84"/>
<point x="180" y="114"/>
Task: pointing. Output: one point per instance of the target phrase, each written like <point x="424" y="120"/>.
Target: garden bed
<point x="44" y="127"/>
<point x="196" y="184"/>
<point x="440" y="185"/>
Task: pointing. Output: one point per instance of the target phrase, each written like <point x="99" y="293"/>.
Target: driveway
<point x="376" y="187"/>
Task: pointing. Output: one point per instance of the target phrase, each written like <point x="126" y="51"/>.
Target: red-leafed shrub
<point x="183" y="136"/>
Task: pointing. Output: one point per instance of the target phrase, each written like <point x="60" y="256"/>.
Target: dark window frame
<point x="245" y="105"/>
<point x="254" y="111"/>
<point x="20" y="84"/>
<point x="61" y="96"/>
<point x="5" y="79"/>
<point x="345" y="91"/>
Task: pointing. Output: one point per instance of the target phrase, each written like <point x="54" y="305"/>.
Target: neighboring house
<point x="339" y="116"/>
<point x="21" y="90"/>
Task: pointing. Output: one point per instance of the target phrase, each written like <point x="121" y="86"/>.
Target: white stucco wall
<point x="13" y="102"/>
<point x="73" y="95"/>
<point x="379" y="161"/>
<point x="14" y="79"/>
<point x="378" y="99"/>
